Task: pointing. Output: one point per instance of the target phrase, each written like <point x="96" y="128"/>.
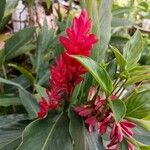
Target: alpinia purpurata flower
<point x="67" y="72"/>
<point x="118" y="131"/>
<point x="99" y="116"/>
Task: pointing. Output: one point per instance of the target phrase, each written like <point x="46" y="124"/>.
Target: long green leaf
<point x="51" y="133"/>
<point x="105" y="27"/>
<point x="137" y="78"/>
<point x="9" y="100"/>
<point x="2" y="10"/>
<point x="27" y="98"/>
<point x="133" y="49"/>
<point x="121" y="61"/>
<point x="30" y="103"/>
<point x="24" y="71"/>
<point x="44" y="40"/>
<point x="99" y="73"/>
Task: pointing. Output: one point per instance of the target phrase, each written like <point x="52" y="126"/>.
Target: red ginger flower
<point x="67" y="72"/>
<point x="119" y="130"/>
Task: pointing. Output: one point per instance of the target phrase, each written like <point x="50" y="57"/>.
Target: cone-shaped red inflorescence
<point x="67" y="72"/>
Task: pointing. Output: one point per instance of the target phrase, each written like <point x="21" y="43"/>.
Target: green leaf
<point x="48" y="3"/>
<point x="92" y="9"/>
<point x="99" y="73"/>
<point x="2" y="10"/>
<point x="82" y="139"/>
<point x="121" y="61"/>
<point x="24" y="71"/>
<point x="10" y="83"/>
<point x="44" y="41"/>
<point x="23" y="50"/>
<point x="27" y="98"/>
<point x="9" y="100"/>
<point x="139" y="70"/>
<point x="141" y="135"/>
<point x="138" y="105"/>
<point x="41" y="91"/>
<point x="44" y="78"/>
<point x="145" y="147"/>
<point x="118" y="109"/>
<point x="121" y="22"/>
<point x="123" y="145"/>
<point x="11" y="127"/>
<point x="141" y="122"/>
<point x="30" y="2"/>
<point x="105" y="27"/>
<point x="49" y="133"/>
<point x="137" y="78"/>
<point x="29" y="102"/>
<point x="133" y="49"/>
<point x="112" y="69"/>
<point x="18" y="40"/>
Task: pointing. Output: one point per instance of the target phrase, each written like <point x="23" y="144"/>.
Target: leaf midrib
<point x="135" y="109"/>
<point x="51" y="131"/>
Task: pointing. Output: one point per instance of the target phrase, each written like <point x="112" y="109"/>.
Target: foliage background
<point x="25" y="58"/>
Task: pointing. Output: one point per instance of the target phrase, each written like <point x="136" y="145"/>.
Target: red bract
<point x="119" y="130"/>
<point x="67" y="72"/>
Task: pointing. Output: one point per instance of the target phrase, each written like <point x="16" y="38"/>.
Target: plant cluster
<point x="79" y="90"/>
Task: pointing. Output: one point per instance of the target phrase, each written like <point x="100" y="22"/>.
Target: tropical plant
<point x="74" y="87"/>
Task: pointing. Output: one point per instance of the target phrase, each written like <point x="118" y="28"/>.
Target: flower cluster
<point x="67" y="72"/>
<point x="97" y="114"/>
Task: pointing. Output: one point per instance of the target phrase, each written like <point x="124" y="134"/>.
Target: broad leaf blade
<point x="118" y="109"/>
<point x="133" y="49"/>
<point x="11" y="127"/>
<point x="49" y="133"/>
<point x="29" y="102"/>
<point x="99" y="73"/>
<point x="82" y="139"/>
<point x="138" y="105"/>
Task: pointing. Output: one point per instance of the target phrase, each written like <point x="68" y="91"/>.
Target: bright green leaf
<point x="138" y="105"/>
<point x="145" y="147"/>
<point x="137" y="78"/>
<point x="121" y="61"/>
<point x="133" y="49"/>
<point x="99" y="73"/>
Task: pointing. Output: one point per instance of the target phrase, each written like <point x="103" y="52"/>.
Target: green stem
<point x="4" y="71"/>
<point x="120" y="87"/>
